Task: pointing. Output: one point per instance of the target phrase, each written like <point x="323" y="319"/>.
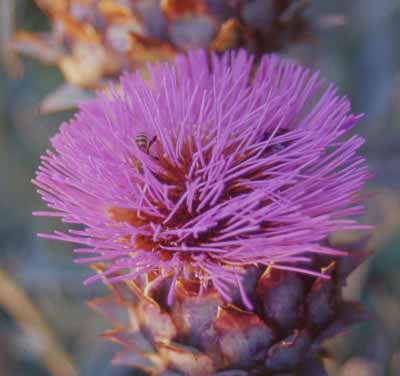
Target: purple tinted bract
<point x="235" y="167"/>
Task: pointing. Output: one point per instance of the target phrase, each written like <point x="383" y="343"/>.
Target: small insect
<point x="143" y="142"/>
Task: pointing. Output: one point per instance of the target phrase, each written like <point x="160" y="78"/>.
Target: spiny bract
<point x="293" y="315"/>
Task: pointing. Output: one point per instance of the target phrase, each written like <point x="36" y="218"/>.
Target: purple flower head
<point x="207" y="167"/>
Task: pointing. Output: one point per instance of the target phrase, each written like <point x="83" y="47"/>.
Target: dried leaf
<point x="41" y="46"/>
<point x="65" y="97"/>
<point x="145" y="50"/>
<point x="173" y="9"/>
<point x="133" y="359"/>
<point x="229" y="36"/>
<point x="111" y="309"/>
<point x="134" y="341"/>
<point x="86" y="65"/>
<point x="192" y="32"/>
<point x="113" y="11"/>
<point x="53" y="6"/>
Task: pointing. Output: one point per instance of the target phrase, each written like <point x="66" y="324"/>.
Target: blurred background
<point x="46" y="327"/>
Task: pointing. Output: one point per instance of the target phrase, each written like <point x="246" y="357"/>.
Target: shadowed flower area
<point x="205" y="169"/>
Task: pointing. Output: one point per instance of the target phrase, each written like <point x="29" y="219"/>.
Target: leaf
<point x="41" y="46"/>
<point x="65" y="97"/>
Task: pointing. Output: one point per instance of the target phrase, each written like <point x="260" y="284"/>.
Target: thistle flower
<point x="213" y="184"/>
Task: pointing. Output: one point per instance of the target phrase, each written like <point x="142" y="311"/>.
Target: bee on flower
<point x="143" y="143"/>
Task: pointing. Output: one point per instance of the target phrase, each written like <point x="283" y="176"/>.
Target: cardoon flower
<point x="205" y="195"/>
